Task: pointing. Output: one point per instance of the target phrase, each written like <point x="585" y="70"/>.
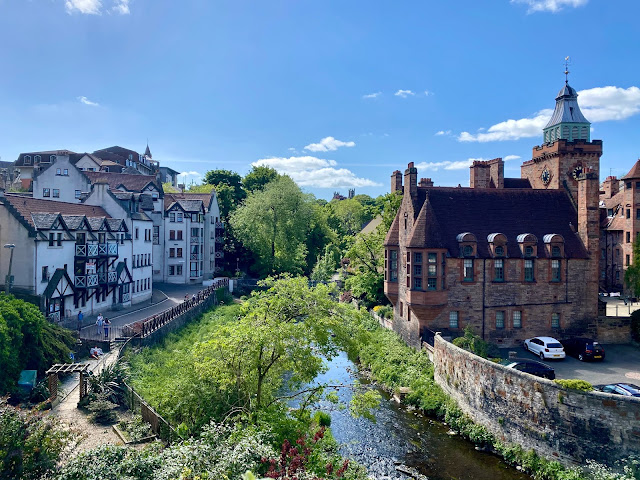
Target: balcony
<point x="86" y="281"/>
<point x="195" y="240"/>
<point x="126" y="297"/>
<point x="107" y="278"/>
<point x="95" y="250"/>
<point x="219" y="225"/>
<point x="195" y="256"/>
<point x="219" y="240"/>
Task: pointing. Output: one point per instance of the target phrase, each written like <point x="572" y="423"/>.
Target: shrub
<point x="102" y="411"/>
<point x="575" y="384"/>
<point x="30" y="444"/>
<point x="136" y="428"/>
<point x="323" y="419"/>
<point x="473" y="343"/>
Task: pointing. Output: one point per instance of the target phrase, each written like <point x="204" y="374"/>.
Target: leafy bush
<point x="28" y="341"/>
<point x="30" y="444"/>
<point x="102" y="411"/>
<point x="473" y="343"/>
<point x="136" y="428"/>
<point x="323" y="419"/>
<point x="109" y="382"/>
<point x="575" y="384"/>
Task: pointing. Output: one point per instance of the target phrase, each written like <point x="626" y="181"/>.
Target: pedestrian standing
<point x="80" y="317"/>
<point x="107" y="324"/>
<point x="99" y="324"/>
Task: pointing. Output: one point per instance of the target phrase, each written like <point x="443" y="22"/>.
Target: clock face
<point x="545" y="176"/>
<point x="576" y="172"/>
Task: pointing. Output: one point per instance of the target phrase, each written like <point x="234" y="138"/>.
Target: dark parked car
<point x="626" y="389"/>
<point x="583" y="348"/>
<point x="538" y="369"/>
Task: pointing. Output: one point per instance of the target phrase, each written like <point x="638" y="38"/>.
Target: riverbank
<point x="395" y="366"/>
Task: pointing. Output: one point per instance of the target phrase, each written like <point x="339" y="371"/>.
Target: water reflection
<point x="404" y="437"/>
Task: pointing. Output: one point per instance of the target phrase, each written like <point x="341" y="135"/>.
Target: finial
<point x="566" y="70"/>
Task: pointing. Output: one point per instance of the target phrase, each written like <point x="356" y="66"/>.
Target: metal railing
<point x="219" y="225"/>
<point x="195" y="239"/>
<point x="195" y="256"/>
<point x="145" y="327"/>
<point x="107" y="277"/>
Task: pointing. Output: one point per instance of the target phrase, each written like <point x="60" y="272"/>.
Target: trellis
<point x="66" y="368"/>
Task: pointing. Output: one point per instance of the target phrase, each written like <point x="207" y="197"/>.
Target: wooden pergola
<point x="58" y="368"/>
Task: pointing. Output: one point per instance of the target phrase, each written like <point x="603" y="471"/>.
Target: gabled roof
<point x="25" y="206"/>
<point x="446" y="212"/>
<point x="58" y="275"/>
<point x="205" y="198"/>
<point x="634" y="172"/>
<point x="132" y="183"/>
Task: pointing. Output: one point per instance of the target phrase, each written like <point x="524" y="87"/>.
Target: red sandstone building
<point x="620" y="227"/>
<point x="510" y="257"/>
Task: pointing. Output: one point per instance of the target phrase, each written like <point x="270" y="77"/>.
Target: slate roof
<point x="20" y="161"/>
<point x="73" y="221"/>
<point x="133" y="183"/>
<point x="43" y="221"/>
<point x="567" y="109"/>
<point x="170" y="198"/>
<point x="517" y="183"/>
<point x="114" y="223"/>
<point x="25" y="206"/>
<point x="444" y="213"/>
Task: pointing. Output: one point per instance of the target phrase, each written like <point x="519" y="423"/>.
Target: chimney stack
<point x="396" y="181"/>
<point x="411" y="180"/>
<point x="425" y="182"/>
<point x="611" y="187"/>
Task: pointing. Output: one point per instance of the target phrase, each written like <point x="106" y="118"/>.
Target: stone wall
<point x="559" y="424"/>
<point x="616" y="330"/>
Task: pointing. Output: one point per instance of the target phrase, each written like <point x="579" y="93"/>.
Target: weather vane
<point x="566" y="70"/>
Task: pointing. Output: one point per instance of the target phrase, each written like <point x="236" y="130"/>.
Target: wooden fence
<point x="159" y="426"/>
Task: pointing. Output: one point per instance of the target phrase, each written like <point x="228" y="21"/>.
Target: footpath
<point x="89" y="435"/>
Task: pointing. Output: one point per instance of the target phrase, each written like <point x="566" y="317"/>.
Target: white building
<point x="74" y="256"/>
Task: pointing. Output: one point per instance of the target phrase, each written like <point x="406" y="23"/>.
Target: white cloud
<point x="511" y="157"/>
<point x="328" y="144"/>
<point x="447" y="165"/>
<point x="308" y="171"/>
<point x="427" y="93"/>
<point x="441" y="133"/>
<point x="86" y="101"/>
<point x="550" y="5"/>
<point x="372" y="95"/>
<point x="189" y="177"/>
<point x="404" y="93"/>
<point x="609" y="103"/>
<point x="88" y="7"/>
<point x="94" y="7"/>
<point x="511" y="129"/>
<point x="121" y="7"/>
<point x="598" y="104"/>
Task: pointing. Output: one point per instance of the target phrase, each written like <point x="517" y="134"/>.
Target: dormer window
<point x="52" y="158"/>
<point x="555" y="251"/>
<point x="27" y="159"/>
<point x="497" y="244"/>
<point x="468" y="243"/>
<point x="528" y="251"/>
<point x="36" y="159"/>
<point x="499" y="251"/>
<point x="554" y="244"/>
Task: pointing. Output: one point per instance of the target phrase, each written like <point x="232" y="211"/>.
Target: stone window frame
<point x="528" y="244"/>
<point x="500" y="317"/>
<point x="555" y="321"/>
<point x="468" y="244"/>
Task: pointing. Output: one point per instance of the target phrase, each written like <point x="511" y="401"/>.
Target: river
<point x="401" y="436"/>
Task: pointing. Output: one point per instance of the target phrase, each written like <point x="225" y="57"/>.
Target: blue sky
<point x="337" y="94"/>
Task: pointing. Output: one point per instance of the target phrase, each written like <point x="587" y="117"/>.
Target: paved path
<point x="164" y="297"/>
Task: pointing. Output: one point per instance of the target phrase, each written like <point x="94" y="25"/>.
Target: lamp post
<point x="9" y="280"/>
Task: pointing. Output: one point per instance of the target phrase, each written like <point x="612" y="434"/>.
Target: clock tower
<point x="567" y="151"/>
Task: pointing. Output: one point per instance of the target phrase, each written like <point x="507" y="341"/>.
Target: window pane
<point x="517" y="319"/>
<point x="499" y="319"/>
<point x="432" y="283"/>
<point x="432" y="270"/>
<point x="555" y="320"/>
<point x="498" y="269"/>
<point x="468" y="269"/>
<point x="453" y="319"/>
<point x="417" y="283"/>
<point x="417" y="270"/>
<point x="417" y="257"/>
<point x="433" y="257"/>
<point x="528" y="270"/>
<point x="555" y="270"/>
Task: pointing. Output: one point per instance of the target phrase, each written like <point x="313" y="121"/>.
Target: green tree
<point x="632" y="275"/>
<point x="273" y="224"/>
<point x="326" y="265"/>
<point x="351" y="214"/>
<point x="258" y="177"/>
<point x="168" y="188"/>
<point x="28" y="341"/>
<point x="201" y="188"/>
